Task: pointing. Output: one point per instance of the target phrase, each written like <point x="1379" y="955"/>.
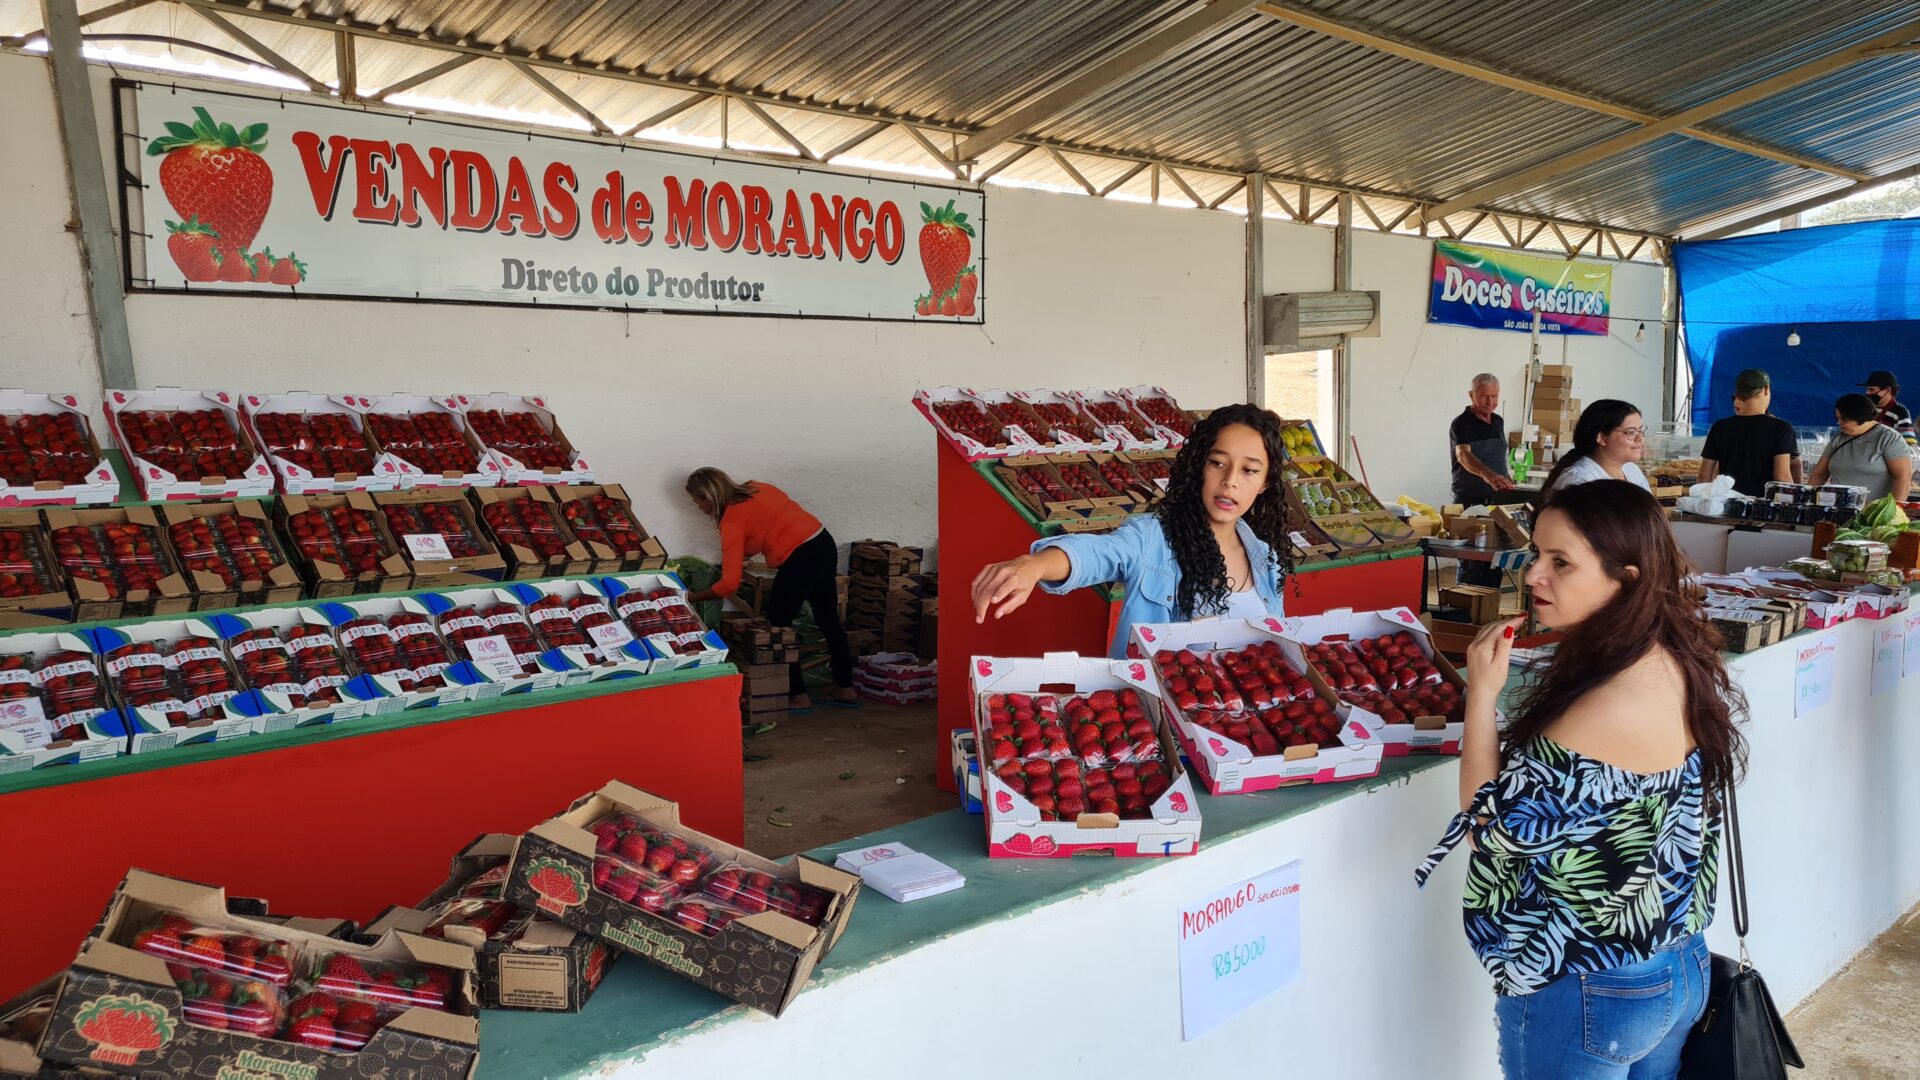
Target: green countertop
<point x="640" y="1006"/>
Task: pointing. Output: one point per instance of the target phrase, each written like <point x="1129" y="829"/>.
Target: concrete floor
<point x="1860" y="1025"/>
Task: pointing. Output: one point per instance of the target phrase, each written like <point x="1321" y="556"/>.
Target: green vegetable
<point x="1886" y="534"/>
<point x="1851" y="533"/>
<point x="1881" y="511"/>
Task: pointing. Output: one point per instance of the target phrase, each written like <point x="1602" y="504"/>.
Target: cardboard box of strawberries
<point x="48" y="453"/>
<point x="187" y="444"/>
<point x="521" y="961"/>
<point x="620" y="865"/>
<point x="173" y="984"/>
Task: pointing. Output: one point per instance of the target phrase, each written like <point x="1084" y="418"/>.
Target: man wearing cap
<point x="1751" y="446"/>
<point x="1884" y="391"/>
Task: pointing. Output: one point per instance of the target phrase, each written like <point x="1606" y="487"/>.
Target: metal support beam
<point x="1004" y="162"/>
<point x="666" y="114"/>
<point x="933" y="151"/>
<point x="87" y="180"/>
<point x="1072" y="173"/>
<point x="1320" y="24"/>
<point x="1256" y="292"/>
<point x="1646" y="133"/>
<point x="1145" y="53"/>
<point x="258" y="48"/>
<point x="420" y="77"/>
<point x="773" y="125"/>
<point x="856" y="139"/>
<point x="561" y="96"/>
<point x="1800" y="207"/>
<point x="1342" y="385"/>
<point x="1670" y="344"/>
<point x="91" y="17"/>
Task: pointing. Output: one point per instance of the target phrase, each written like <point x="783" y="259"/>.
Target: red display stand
<point x="978" y="527"/>
<point x="344" y="826"/>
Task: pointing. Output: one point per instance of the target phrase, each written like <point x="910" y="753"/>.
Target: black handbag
<point x="1740" y="1035"/>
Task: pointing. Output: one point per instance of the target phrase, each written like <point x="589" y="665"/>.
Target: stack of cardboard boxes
<point x="1555" y="411"/>
<point x="885" y="594"/>
<point x="762" y="652"/>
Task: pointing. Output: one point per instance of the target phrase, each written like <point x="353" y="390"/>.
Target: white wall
<point x="1080" y="293"/>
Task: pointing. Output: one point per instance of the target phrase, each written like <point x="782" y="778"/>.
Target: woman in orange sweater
<point x="756" y="518"/>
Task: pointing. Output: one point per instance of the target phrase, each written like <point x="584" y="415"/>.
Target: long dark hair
<point x="1183" y="515"/>
<point x="1596" y="420"/>
<point x="1655" y="607"/>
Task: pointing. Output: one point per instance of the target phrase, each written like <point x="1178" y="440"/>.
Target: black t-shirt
<point x="1469" y="430"/>
<point x="1745" y="447"/>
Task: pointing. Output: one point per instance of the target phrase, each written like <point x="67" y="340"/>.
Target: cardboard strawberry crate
<point x="601" y="517"/>
<point x="969" y="426"/>
<point x="488" y="626"/>
<point x="291" y="658"/>
<point x="1037" y="485"/>
<point x="440" y="535"/>
<point x="432" y="445"/>
<point x="394" y="643"/>
<point x="581" y="635"/>
<point x="1127" y="481"/>
<point x="754" y="952"/>
<point x="1404" y="723"/>
<point x="1231" y="765"/>
<point x="1069" y="426"/>
<point x="187" y="444"/>
<point x="523" y="437"/>
<point x="1082" y="476"/>
<point x="119" y="1008"/>
<point x="642" y="602"/>
<point x="21" y="1022"/>
<point x="1017" y="416"/>
<point x="49" y="455"/>
<point x="1164" y="823"/>
<point x="1301" y="439"/>
<point x="189" y="691"/>
<point x="341" y="545"/>
<point x="530" y="532"/>
<point x="54" y="704"/>
<point x="317" y="444"/>
<point x="33" y="591"/>
<point x="1157" y="407"/>
<point x="521" y="961"/>
<point x="1116" y="417"/>
<point x="160" y="588"/>
<point x="235" y="559"/>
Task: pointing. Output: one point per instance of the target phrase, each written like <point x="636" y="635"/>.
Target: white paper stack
<point x="901" y="873"/>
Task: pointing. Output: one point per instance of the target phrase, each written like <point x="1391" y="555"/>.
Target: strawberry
<point x="950" y="304"/>
<point x="312" y="1031"/>
<point x="235" y="266"/>
<point x="356" y="1012"/>
<point x="288" y="271"/>
<point x="207" y="950"/>
<point x="216" y="174"/>
<point x="314" y="1003"/>
<point x="968" y="286"/>
<point x="192" y="246"/>
<point x="346" y="969"/>
<point x="263" y="265"/>
<point x="945" y="244"/>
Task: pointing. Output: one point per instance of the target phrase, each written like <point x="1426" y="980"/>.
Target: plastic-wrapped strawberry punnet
<point x="227" y="980"/>
<point x="754" y="890"/>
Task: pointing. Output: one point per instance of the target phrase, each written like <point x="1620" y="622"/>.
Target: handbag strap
<point x="1736" y="868"/>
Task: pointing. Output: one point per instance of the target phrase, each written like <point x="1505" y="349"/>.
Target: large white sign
<point x="248" y="194"/>
<point x="1237" y="946"/>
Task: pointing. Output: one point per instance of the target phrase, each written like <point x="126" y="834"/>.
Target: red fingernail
<point x="1507" y="633"/>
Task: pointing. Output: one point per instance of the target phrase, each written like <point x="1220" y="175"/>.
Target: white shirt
<point x="1588" y="469"/>
<point x="1244" y="605"/>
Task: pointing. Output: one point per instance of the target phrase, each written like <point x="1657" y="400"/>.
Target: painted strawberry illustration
<point x="122" y="1027"/>
<point x="215" y="173"/>
<point x="1023" y="844"/>
<point x="192" y="246"/>
<point x="234" y="265"/>
<point x="946" y="245"/>
<point x="559" y="886"/>
<point x="288" y="271"/>
<point x="1003" y="802"/>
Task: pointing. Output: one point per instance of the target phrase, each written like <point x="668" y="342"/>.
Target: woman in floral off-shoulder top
<point x="1593" y="816"/>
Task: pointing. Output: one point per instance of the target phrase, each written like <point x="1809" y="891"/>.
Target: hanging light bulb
<point x="1793" y="339"/>
<point x="1640" y="334"/>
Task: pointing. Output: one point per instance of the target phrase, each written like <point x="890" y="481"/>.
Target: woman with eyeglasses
<point x="1607" y="442"/>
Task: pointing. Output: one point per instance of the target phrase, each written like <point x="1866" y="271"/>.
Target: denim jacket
<point x="1137" y="555"/>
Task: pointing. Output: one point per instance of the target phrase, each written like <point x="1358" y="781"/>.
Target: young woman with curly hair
<point x="1215" y="546"/>
<point x="1594" y="813"/>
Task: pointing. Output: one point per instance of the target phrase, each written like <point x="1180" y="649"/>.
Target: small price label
<point x="26" y="718"/>
<point x="610" y="636"/>
<point x="493" y="655"/>
<point x="427" y="545"/>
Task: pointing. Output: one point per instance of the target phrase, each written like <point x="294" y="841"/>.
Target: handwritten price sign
<point x="1913" y="643"/>
<point x="1237" y="946"/>
<point x="1813" y="675"/>
<point x="1889" y="654"/>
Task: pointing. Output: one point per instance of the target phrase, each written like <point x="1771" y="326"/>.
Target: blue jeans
<point x="1625" y="1022"/>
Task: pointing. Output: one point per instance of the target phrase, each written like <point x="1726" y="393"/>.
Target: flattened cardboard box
<point x="548" y="968"/>
<point x="118" y="1010"/>
<point x="762" y="960"/>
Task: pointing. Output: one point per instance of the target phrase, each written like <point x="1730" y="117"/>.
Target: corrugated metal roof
<point x="1256" y="93"/>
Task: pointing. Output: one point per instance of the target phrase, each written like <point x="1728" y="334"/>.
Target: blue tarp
<point x="1852" y="293"/>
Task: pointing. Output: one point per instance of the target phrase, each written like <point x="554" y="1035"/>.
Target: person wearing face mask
<point x="1594" y="815"/>
<point x="1866" y="453"/>
<point x="1607" y="444"/>
<point x="1884" y="391"/>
